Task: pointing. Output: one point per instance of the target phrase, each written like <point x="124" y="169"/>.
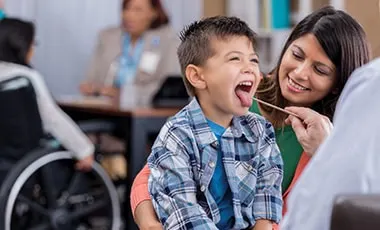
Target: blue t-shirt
<point x="219" y="187"/>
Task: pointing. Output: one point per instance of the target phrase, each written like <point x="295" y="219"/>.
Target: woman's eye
<point x="297" y="56"/>
<point x="320" y="72"/>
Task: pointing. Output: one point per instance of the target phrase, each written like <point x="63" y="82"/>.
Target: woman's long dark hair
<point x="16" y="39"/>
<point x="343" y="40"/>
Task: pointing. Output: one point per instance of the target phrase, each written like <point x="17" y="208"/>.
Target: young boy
<point x="214" y="165"/>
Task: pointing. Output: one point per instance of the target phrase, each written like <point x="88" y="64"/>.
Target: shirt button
<point x="211" y="164"/>
<point x="214" y="144"/>
<point x="203" y="188"/>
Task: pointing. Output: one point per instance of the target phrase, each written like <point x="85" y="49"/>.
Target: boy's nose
<point x="249" y="68"/>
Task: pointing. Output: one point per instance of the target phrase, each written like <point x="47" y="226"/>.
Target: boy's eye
<point x="255" y="60"/>
<point x="234" y="59"/>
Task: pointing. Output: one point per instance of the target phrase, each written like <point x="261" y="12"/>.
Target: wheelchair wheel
<point x="44" y="191"/>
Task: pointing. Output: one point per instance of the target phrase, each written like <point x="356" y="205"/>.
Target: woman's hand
<point x="109" y="91"/>
<point x="88" y="89"/>
<point x="145" y="216"/>
<point x="311" y="128"/>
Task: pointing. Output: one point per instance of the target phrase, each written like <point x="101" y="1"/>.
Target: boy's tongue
<point x="245" y="98"/>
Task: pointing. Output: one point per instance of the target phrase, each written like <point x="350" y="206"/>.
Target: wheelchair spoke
<point x="43" y="226"/>
<point x="33" y="205"/>
<point x="82" y="212"/>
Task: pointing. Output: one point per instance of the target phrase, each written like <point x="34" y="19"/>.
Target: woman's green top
<point x="290" y="149"/>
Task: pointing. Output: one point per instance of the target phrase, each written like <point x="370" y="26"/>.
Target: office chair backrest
<point x="20" y="122"/>
<point x="356" y="212"/>
<point x="172" y="93"/>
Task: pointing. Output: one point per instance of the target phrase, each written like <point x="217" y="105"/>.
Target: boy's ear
<point x="195" y="77"/>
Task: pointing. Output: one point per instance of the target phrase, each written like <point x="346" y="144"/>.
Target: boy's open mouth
<point x="243" y="92"/>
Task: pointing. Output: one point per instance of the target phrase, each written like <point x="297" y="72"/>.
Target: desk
<point x="139" y="123"/>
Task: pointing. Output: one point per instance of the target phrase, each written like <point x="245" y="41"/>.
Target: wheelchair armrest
<point x="96" y="126"/>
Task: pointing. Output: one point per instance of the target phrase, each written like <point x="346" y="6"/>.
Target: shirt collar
<point x="203" y="134"/>
<point x="242" y="126"/>
<point x="198" y="122"/>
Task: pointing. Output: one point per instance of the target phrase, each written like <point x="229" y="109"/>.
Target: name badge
<point x="149" y="62"/>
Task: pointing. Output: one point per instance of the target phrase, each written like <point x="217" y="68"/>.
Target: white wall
<point x="67" y="32"/>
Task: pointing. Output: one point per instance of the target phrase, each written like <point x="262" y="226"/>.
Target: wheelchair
<point x="40" y="187"/>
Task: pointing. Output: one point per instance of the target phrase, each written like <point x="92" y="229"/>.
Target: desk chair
<point x="356" y="212"/>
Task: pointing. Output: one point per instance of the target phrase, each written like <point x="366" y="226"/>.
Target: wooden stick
<point x="275" y="107"/>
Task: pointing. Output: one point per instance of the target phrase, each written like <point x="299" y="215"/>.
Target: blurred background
<point x="67" y="30"/>
<point x="83" y="48"/>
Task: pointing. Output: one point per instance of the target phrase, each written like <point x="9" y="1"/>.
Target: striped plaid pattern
<point x="182" y="165"/>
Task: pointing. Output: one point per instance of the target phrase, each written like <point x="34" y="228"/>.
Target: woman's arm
<point x="59" y="124"/>
<point x="141" y="203"/>
<point x="89" y="85"/>
<point x="145" y="216"/>
<point x="263" y="225"/>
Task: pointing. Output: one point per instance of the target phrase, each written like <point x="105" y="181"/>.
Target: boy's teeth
<point x="295" y="85"/>
<point x="247" y="83"/>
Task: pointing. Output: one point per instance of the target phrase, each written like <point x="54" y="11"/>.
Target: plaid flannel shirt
<point x="182" y="164"/>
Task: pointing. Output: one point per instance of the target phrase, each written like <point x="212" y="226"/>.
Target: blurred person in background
<point x="140" y="52"/>
<point x="16" y="51"/>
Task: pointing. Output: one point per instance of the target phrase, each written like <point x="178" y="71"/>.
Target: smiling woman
<point x="318" y="58"/>
<point x="306" y="75"/>
<point x="313" y="67"/>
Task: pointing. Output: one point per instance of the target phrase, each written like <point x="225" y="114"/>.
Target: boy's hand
<point x="263" y="225"/>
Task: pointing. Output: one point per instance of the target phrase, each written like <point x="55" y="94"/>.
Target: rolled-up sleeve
<point x="139" y="191"/>
<point x="173" y="191"/>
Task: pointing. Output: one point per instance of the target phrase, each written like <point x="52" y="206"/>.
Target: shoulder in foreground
<point x="374" y="65"/>
<point x="365" y="76"/>
<point x="368" y="70"/>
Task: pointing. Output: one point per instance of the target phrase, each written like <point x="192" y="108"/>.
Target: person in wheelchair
<point x="16" y="51"/>
<point x="41" y="188"/>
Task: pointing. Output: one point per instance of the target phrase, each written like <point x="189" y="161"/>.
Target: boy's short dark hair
<point x="195" y="47"/>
